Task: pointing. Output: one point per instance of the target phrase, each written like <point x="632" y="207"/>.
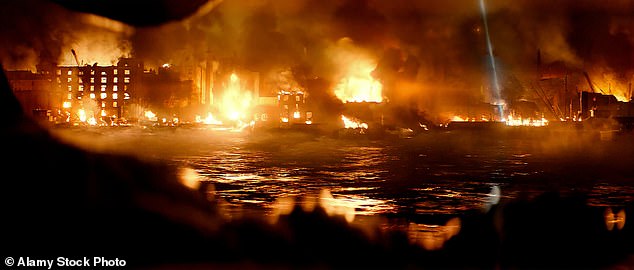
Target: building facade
<point x="99" y="92"/>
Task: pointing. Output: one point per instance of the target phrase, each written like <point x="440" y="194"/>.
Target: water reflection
<point x="427" y="189"/>
<point x="613" y="219"/>
<point x="433" y="237"/>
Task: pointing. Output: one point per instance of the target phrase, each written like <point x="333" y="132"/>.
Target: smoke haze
<point x="429" y="53"/>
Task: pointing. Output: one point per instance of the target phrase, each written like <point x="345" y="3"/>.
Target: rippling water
<point x="437" y="174"/>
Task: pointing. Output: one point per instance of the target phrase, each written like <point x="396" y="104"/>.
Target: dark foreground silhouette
<point x="58" y="200"/>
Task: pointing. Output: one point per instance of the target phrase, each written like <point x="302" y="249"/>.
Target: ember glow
<point x="210" y="120"/>
<point x="457" y="118"/>
<point x="150" y="115"/>
<point x="527" y="122"/>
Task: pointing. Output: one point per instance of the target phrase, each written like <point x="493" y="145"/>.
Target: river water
<point x="429" y="188"/>
<point x="440" y="173"/>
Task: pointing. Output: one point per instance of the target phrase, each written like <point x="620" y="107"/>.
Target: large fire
<point x="209" y="120"/>
<point x="235" y="103"/>
<point x="611" y="86"/>
<point x="356" y="83"/>
<point x="510" y="120"/>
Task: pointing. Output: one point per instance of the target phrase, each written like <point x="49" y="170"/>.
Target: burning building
<point x="168" y="91"/>
<point x="283" y="105"/>
<point x="292" y="108"/>
<point x="90" y="92"/>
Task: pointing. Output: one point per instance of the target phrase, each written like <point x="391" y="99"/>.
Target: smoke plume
<point x="430" y="55"/>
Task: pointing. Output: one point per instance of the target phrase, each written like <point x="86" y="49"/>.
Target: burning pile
<point x="234" y="106"/>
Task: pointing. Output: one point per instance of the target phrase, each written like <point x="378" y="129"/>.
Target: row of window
<point x="298" y="98"/>
<point x="92" y="72"/>
<point x="102" y="96"/>
<point x="115" y="104"/>
<point x="92" y="80"/>
<point x="103" y="88"/>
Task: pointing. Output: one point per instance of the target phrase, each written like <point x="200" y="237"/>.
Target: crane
<point x="590" y="83"/>
<point x="75" y="55"/>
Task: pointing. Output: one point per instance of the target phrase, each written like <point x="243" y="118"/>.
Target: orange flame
<point x="353" y="123"/>
<point x="527" y="122"/>
<point x="358" y="85"/>
<point x="235" y="103"/>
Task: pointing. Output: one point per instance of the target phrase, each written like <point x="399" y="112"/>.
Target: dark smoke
<point x="42" y="32"/>
<point x="432" y="55"/>
<point x="33" y="31"/>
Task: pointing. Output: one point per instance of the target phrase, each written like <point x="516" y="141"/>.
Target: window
<point x="104" y="79"/>
<point x="92" y="72"/>
<point x="285" y="98"/>
<point x="125" y="88"/>
<point x="126" y="72"/>
<point x="81" y="87"/>
<point x="115" y="96"/>
<point x="114" y="104"/>
<point x="69" y="96"/>
<point x="70" y="72"/>
<point x="70" y="88"/>
<point x="103" y="104"/>
<point x="92" y="95"/>
<point x="81" y="72"/>
<point x="103" y="88"/>
<point x="103" y="73"/>
<point x="297" y="98"/>
<point x="58" y="80"/>
<point x="104" y="95"/>
<point x="116" y="80"/>
<point x="59" y="72"/>
<point x="115" y="71"/>
<point x="92" y="88"/>
<point x="80" y="80"/>
<point x="69" y="79"/>
<point x="115" y="88"/>
<point x="126" y="80"/>
<point x="92" y="80"/>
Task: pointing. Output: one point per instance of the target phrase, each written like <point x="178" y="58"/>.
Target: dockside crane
<point x="75" y="55"/>
<point x="590" y="83"/>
